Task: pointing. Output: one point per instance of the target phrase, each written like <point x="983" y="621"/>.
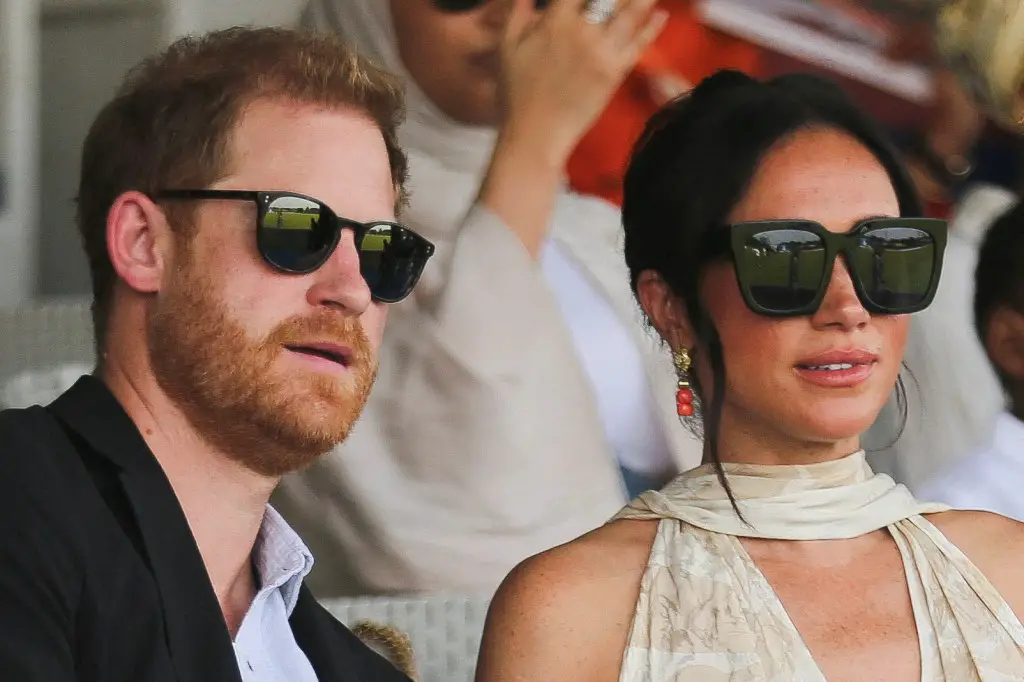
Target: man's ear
<point x="665" y="310"/>
<point x="137" y="238"/>
<point x="1004" y="341"/>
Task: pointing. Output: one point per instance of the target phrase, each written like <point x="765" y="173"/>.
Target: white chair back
<point x="444" y="630"/>
<point x="44" y="347"/>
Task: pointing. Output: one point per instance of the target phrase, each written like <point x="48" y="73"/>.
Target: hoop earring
<point x="684" y="393"/>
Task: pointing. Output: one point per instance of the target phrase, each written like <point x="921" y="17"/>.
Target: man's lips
<point x="341" y="355"/>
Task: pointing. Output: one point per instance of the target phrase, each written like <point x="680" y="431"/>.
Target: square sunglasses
<point x="783" y="267"/>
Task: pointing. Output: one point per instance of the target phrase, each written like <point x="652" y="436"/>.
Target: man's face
<point x="274" y="368"/>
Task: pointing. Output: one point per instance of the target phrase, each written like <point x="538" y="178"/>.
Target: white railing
<point x="19" y="155"/>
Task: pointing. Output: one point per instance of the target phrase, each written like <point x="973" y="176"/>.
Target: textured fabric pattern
<point x="707" y="614"/>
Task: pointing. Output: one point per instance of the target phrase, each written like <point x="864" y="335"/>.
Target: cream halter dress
<point x="707" y="614"/>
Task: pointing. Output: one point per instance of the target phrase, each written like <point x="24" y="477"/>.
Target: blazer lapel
<point x="198" y="639"/>
<point x="318" y="637"/>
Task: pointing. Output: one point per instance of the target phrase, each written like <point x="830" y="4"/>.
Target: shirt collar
<point x="281" y="559"/>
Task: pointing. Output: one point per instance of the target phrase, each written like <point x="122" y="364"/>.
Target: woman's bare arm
<point x="995" y="544"/>
<point x="565" y="614"/>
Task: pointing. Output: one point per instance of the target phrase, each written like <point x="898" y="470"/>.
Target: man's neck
<point x="223" y="501"/>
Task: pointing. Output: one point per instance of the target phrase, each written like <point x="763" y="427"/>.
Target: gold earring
<point x="684" y="393"/>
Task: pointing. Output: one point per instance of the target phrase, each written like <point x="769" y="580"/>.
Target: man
<point x="136" y="543"/>
<point x="991" y="478"/>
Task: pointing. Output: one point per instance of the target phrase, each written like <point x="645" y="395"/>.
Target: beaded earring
<point x="684" y="393"/>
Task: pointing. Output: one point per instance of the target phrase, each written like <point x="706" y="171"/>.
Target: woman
<point x="519" y="400"/>
<point x="782" y="557"/>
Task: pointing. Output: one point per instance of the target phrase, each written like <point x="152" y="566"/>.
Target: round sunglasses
<point x="457" y="6"/>
<point x="783" y="267"/>
<point x="296" y="234"/>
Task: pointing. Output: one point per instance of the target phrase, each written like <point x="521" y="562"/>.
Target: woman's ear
<point x="665" y="310"/>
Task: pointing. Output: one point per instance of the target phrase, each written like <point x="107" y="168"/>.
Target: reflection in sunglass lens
<point x="294" y="235"/>
<point x="783" y="269"/>
<point x="298" y="235"/>
<point x="390" y="259"/>
<point x="894" y="266"/>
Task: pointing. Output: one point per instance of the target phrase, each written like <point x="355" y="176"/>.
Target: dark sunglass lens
<point x="455" y="6"/>
<point x="391" y="259"/>
<point x="294" y="235"/>
<point x="895" y="266"/>
<point x="782" y="269"/>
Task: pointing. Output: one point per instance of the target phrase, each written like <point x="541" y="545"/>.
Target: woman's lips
<point x="836" y="375"/>
<point x="838" y="367"/>
<point x="487" y="62"/>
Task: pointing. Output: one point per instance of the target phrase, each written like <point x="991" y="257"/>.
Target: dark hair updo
<point x="693" y="164"/>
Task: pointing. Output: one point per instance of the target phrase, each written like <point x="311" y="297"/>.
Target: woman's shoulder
<point x="993" y="543"/>
<point x="568" y="610"/>
<point x="615" y="551"/>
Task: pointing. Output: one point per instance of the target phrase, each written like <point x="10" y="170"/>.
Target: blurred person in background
<point x="520" y="400"/>
<point x="992" y="478"/>
<point x="966" y="170"/>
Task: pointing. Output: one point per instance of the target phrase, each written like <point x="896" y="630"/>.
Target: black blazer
<point x="100" y="577"/>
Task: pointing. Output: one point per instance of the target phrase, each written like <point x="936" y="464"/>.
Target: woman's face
<point x="454" y="57"/>
<point x="827" y="177"/>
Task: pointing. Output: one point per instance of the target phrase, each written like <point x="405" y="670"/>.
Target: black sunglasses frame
<point x="736" y="237"/>
<point x="263" y="200"/>
<point x="460" y="6"/>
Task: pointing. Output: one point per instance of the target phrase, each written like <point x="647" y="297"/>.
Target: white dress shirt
<point x="991" y="479"/>
<point x="265" y="646"/>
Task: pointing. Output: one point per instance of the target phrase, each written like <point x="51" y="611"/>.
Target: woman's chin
<point x="823" y="427"/>
<point x="817" y="419"/>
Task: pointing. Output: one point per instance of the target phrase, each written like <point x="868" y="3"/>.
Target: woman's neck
<point x="746" y="439"/>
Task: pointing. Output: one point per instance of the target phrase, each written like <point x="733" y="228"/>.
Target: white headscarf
<point x="447" y="162"/>
<point x="447" y="158"/>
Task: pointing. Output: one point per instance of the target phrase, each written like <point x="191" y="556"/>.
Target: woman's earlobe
<point x="653" y="294"/>
<point x="665" y="310"/>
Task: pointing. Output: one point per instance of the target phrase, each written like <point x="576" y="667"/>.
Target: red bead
<point x="684" y="409"/>
<point x="684" y="395"/>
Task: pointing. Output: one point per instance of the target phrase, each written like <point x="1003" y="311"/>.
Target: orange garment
<point x="686" y="47"/>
